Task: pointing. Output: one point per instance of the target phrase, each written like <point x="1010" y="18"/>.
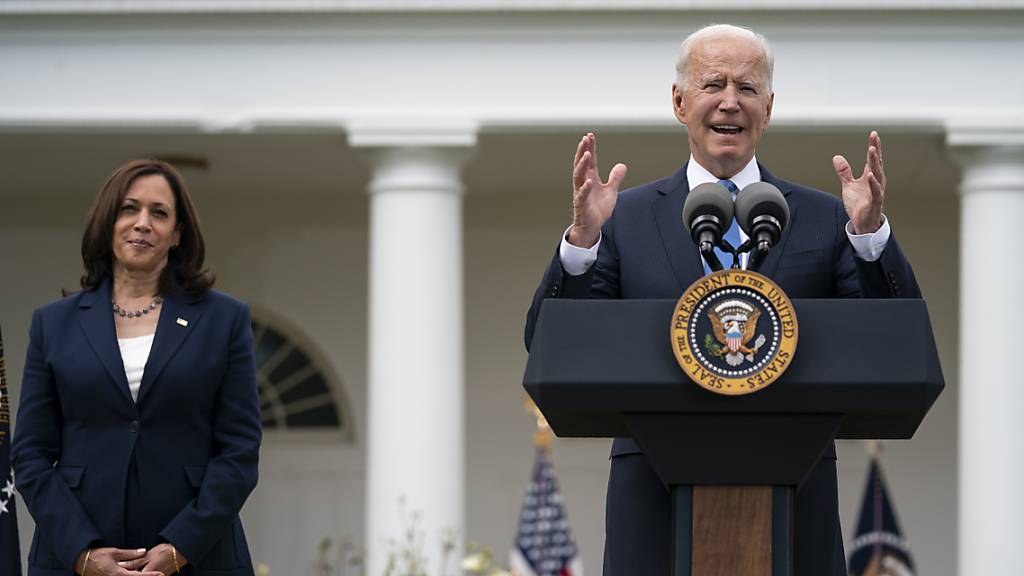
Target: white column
<point x="415" y="430"/>
<point x="991" y="373"/>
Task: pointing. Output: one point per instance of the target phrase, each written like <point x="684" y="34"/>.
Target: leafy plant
<point x="405" y="555"/>
<point x="480" y="562"/>
<point x="348" y="559"/>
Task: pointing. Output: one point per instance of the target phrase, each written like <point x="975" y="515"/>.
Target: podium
<point x="862" y="369"/>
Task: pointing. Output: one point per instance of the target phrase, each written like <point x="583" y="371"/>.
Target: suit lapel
<point x="771" y="261"/>
<point x="97" y="322"/>
<point x="681" y="251"/>
<point x="178" y="319"/>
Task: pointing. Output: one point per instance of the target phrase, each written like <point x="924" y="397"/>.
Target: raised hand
<point x="863" y="197"/>
<point x="592" y="199"/>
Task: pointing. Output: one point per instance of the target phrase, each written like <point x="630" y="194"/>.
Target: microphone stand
<point x="707" y="250"/>
<point x="758" y="251"/>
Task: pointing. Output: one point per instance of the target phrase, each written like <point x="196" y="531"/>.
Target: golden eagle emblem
<point x="734" y="324"/>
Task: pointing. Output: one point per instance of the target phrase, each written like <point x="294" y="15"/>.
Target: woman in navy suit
<point x="138" y="432"/>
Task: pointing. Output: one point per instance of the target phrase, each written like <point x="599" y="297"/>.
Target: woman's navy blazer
<point x="194" y="433"/>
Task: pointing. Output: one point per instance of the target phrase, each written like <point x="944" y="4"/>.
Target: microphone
<point x="762" y="212"/>
<point x="707" y="214"/>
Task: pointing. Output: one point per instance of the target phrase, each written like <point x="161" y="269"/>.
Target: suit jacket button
<point x="134" y="426"/>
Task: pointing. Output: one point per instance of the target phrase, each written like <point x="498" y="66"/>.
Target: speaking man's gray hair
<point x="719" y="31"/>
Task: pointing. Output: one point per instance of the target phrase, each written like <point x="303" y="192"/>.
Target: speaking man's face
<point x="725" y="103"/>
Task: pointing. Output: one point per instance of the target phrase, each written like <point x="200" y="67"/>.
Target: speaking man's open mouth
<point x="731" y="129"/>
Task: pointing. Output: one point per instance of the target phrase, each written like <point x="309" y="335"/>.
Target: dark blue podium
<point x="862" y="369"/>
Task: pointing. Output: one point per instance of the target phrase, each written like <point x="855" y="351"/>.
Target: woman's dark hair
<point x="184" y="271"/>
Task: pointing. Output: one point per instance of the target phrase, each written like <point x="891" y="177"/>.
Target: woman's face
<point x="146" y="227"/>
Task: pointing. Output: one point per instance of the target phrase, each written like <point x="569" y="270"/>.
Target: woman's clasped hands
<point x="160" y="560"/>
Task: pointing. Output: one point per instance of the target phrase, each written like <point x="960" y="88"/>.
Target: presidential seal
<point x="734" y="332"/>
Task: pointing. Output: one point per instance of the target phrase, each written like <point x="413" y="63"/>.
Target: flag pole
<point x="543" y="437"/>
<point x="874" y="448"/>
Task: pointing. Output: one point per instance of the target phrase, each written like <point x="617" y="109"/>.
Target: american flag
<point x="10" y="552"/>
<point x="544" y="544"/>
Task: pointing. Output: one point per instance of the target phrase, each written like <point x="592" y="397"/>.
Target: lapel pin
<point x="182" y="322"/>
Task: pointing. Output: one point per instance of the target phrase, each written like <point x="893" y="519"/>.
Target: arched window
<point x="298" y="390"/>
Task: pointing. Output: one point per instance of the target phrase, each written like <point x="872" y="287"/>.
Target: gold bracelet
<point x="174" y="555"/>
<point x="85" y="565"/>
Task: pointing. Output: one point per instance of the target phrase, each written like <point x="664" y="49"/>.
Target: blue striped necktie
<point x="732" y="235"/>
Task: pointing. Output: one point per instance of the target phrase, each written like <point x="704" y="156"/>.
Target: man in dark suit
<point x="633" y="245"/>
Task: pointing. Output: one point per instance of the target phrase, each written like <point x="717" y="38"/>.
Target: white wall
<point x="506" y="69"/>
<point x="299" y="257"/>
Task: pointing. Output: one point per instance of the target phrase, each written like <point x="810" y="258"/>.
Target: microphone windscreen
<point x="708" y="199"/>
<point x="757" y="199"/>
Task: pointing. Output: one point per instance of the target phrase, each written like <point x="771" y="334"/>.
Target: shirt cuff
<point x="869" y="247"/>
<point x="576" y="260"/>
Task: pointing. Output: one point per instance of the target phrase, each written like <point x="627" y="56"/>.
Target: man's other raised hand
<point x="863" y="197"/>
<point x="592" y="199"/>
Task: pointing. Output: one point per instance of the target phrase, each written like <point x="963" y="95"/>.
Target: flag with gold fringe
<point x="10" y="551"/>
<point x="879" y="548"/>
<point x="544" y="544"/>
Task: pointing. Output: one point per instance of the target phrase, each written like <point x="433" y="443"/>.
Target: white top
<point x="869" y="247"/>
<point x="134" y="354"/>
